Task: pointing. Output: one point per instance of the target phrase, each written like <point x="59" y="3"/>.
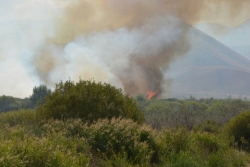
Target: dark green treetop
<point x="90" y="101"/>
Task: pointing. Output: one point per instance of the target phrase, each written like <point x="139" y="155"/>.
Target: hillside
<point x="236" y="38"/>
<point x="247" y="55"/>
<point x="206" y="51"/>
<point x="210" y="69"/>
<point x="243" y="50"/>
<point x="213" y="81"/>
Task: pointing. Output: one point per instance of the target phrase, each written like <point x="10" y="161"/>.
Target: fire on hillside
<point x="150" y="94"/>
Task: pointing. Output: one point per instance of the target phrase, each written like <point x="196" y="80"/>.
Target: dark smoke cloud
<point x="128" y="43"/>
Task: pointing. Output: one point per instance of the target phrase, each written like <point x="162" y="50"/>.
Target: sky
<point x="19" y="39"/>
<point x="126" y="43"/>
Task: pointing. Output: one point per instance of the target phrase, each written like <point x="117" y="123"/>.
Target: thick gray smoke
<point x="132" y="59"/>
<point x="128" y="43"/>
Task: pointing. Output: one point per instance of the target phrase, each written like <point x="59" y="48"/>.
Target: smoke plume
<point x="128" y="43"/>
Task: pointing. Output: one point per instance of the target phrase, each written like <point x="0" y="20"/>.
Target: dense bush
<point x="20" y="117"/>
<point x="115" y="142"/>
<point x="30" y="151"/>
<point x="120" y="136"/>
<point x="90" y="101"/>
<point x="189" y="113"/>
<point x="179" y="147"/>
<point x="94" y="124"/>
<point x="109" y="138"/>
<point x="9" y="103"/>
<point x="209" y="127"/>
<point x="239" y="127"/>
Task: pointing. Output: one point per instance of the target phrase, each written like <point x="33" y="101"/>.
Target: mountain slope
<point x="247" y="56"/>
<point x="213" y="81"/>
<point x="237" y="38"/>
<point x="210" y="68"/>
<point x="206" y="51"/>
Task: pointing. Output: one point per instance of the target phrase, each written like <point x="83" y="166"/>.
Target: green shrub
<point x="122" y="136"/>
<point x="237" y="158"/>
<point x="119" y="160"/>
<point x="140" y="97"/>
<point x="219" y="159"/>
<point x="209" y="126"/>
<point x="239" y="127"/>
<point x="69" y="128"/>
<point x="109" y="138"/>
<point x="39" y="152"/>
<point x="115" y="142"/>
<point x="179" y="147"/>
<point x="182" y="159"/>
<point x="90" y="101"/>
<point x="215" y="150"/>
<point x="174" y="140"/>
<point x="208" y="143"/>
<point x="20" y="117"/>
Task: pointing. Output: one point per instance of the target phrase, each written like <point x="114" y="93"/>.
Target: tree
<point x="140" y="97"/>
<point x="90" y="101"/>
<point x="39" y="94"/>
<point x="8" y="103"/>
<point x="239" y="127"/>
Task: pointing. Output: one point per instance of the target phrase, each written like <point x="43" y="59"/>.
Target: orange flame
<point x="151" y="94"/>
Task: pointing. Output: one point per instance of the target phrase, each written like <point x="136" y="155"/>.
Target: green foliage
<point x="183" y="159"/>
<point x="173" y="141"/>
<point x="90" y="101"/>
<point x="108" y="138"/>
<point x="21" y="117"/>
<point x="140" y="97"/>
<point x="157" y="113"/>
<point x="239" y="127"/>
<point x="119" y="160"/>
<point x="49" y="152"/>
<point x="38" y="95"/>
<point x="115" y="142"/>
<point x="209" y="143"/>
<point x="9" y="103"/>
<point x="122" y="137"/>
<point x="217" y="160"/>
<point x="209" y="127"/>
<point x="178" y="147"/>
<point x="191" y="113"/>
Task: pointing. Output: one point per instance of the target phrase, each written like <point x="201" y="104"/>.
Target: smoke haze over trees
<point x="126" y="43"/>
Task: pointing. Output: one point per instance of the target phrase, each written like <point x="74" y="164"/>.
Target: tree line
<point x="9" y="103"/>
<point x="190" y="112"/>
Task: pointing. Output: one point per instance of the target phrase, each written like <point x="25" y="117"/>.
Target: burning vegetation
<point x="151" y="95"/>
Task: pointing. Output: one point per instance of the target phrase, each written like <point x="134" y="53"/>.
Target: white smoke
<point x="125" y="43"/>
<point x="23" y="29"/>
<point x="107" y="55"/>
